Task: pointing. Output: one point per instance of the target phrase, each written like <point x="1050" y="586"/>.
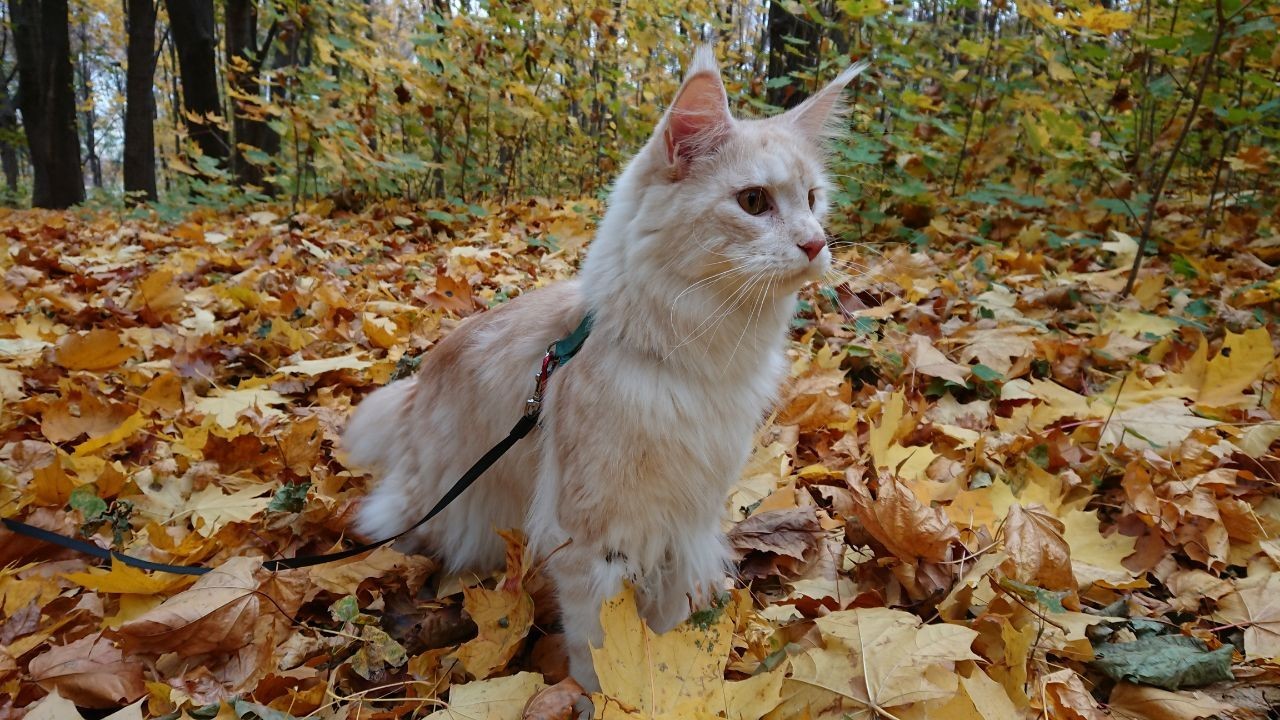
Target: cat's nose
<point x="813" y="246"/>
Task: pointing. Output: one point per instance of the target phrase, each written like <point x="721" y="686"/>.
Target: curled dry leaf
<point x="555" y="702"/>
<point x="91" y="672"/>
<point x="909" y="529"/>
<point x="793" y="532"/>
<point x="1068" y="699"/>
<point x="1037" y="551"/>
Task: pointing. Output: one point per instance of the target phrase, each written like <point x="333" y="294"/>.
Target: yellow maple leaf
<point x="124" y="579"/>
<point x="225" y="406"/>
<point x="679" y="674"/>
<point x="1242" y="360"/>
<point x="501" y="698"/>
<point x="874" y="659"/>
<point x="211" y="508"/>
<point x="1100" y="20"/>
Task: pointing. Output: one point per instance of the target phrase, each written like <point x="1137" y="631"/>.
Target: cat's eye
<point x="754" y="200"/>
<point x="812" y="198"/>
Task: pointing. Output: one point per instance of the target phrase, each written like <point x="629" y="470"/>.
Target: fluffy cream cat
<point x="710" y="231"/>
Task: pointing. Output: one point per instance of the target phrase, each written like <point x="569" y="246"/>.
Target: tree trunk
<point x="9" y="143"/>
<point x="244" y="61"/>
<point x="191" y="24"/>
<point x="86" y="102"/>
<point x="786" y="58"/>
<point x="46" y="96"/>
<point x="140" y="101"/>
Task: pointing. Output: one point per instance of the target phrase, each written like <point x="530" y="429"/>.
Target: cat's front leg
<point x="585" y="575"/>
<point x="694" y="574"/>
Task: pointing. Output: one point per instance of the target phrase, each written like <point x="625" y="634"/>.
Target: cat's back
<point x="493" y="355"/>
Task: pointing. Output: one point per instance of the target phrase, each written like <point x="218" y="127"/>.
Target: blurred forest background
<point x="1108" y="105"/>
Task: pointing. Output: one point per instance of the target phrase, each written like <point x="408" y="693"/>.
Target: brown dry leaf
<point x="1037" y="551"/>
<point x="219" y="613"/>
<point x="872" y="660"/>
<point x="928" y="360"/>
<point x="344" y="577"/>
<point x="91" y="672"/>
<point x="1068" y="699"/>
<point x="1142" y="702"/>
<point x="99" y="349"/>
<point x="793" y="532"/>
<point x="910" y="530"/>
<point x="555" y="702"/>
<point x="452" y="294"/>
<point x="81" y="413"/>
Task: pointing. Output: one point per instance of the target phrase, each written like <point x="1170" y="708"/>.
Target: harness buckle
<point x="550" y="361"/>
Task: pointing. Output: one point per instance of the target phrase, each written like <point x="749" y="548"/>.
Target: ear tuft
<point x="819" y="115"/>
<point x="699" y="119"/>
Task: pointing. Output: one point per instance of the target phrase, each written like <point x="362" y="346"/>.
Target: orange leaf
<point x="99" y="349"/>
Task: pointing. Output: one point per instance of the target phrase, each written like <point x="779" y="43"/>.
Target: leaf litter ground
<point x="993" y="487"/>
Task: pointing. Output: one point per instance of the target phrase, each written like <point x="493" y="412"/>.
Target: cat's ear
<point x="816" y="116"/>
<point x="699" y="120"/>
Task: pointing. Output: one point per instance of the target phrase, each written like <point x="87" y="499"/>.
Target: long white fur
<point x="645" y="432"/>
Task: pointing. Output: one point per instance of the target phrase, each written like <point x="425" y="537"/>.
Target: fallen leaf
<point x="225" y="406"/>
<point x="1171" y="662"/>
<point x="1141" y="702"/>
<point x="124" y="579"/>
<point x="909" y="529"/>
<point x="928" y="360"/>
<point x="91" y="672"/>
<point x="502" y="616"/>
<point x="212" y="508"/>
<point x="1255" y="605"/>
<point x="873" y="660"/>
<point x="99" y="349"/>
<point x="661" y="675"/>
<point x="793" y="532"/>
<point x="1037" y="550"/>
<point x="1242" y="360"/>
<point x="501" y="698"/>
<point x="555" y="702"/>
<point x="324" y="365"/>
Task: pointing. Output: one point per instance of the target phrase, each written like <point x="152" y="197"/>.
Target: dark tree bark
<point x="9" y="141"/>
<point x="140" y="101"/>
<point x="46" y="97"/>
<point x="786" y="58"/>
<point x="244" y="61"/>
<point x="10" y="133"/>
<point x="191" y="24"/>
<point x="86" y="100"/>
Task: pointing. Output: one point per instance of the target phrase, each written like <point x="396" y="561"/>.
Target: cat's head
<point x="737" y="196"/>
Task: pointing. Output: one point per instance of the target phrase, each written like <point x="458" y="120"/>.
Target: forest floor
<point x="994" y="488"/>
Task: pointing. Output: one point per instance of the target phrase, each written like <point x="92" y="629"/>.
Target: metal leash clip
<point x="550" y="362"/>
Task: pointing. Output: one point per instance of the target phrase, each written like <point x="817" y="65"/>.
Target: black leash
<point x="559" y="353"/>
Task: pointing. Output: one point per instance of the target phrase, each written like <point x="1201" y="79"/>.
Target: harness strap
<point x="558" y="355"/>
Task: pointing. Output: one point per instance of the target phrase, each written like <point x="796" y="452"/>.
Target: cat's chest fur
<point x="641" y="448"/>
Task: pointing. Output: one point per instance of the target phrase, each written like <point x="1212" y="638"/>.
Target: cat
<point x="691" y="279"/>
